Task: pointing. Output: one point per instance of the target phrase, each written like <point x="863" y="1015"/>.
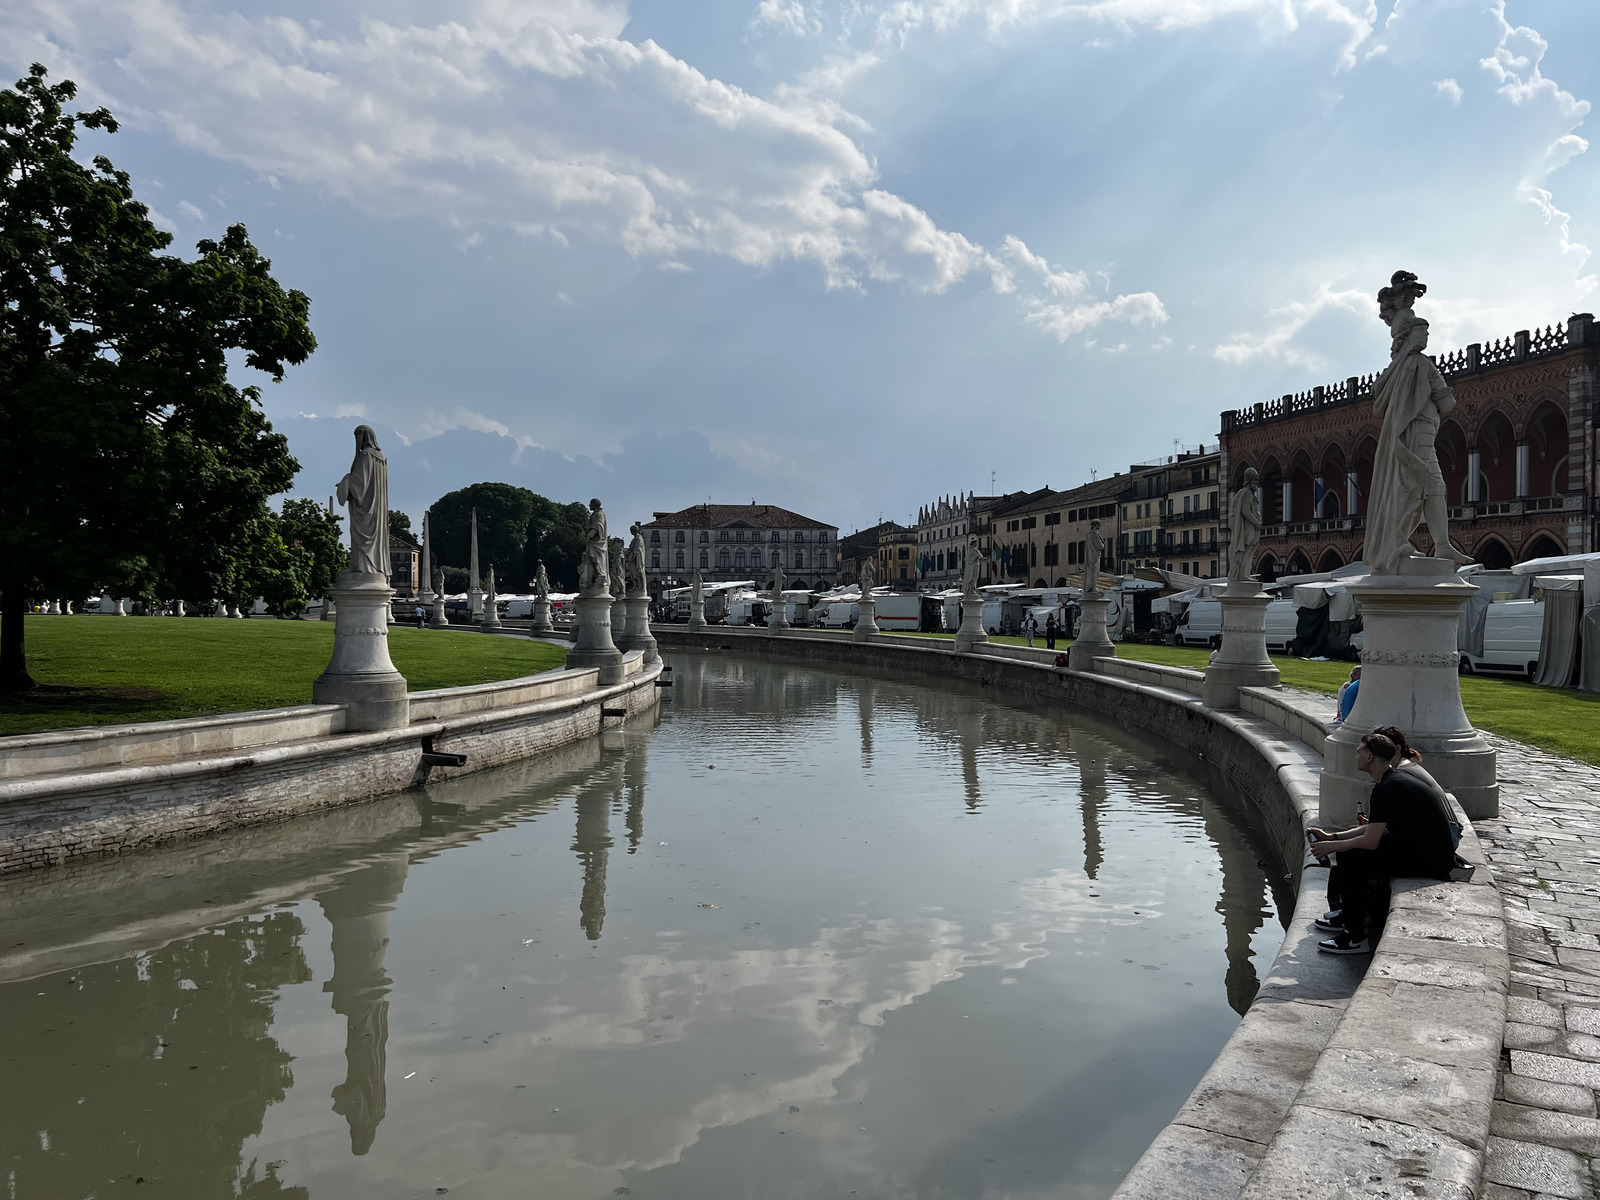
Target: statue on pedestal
<point x="635" y="562"/>
<point x="1093" y="548"/>
<point x="594" y="572"/>
<point x="618" y="571"/>
<point x="1410" y="397"/>
<point x="867" y="577"/>
<point x="969" y="568"/>
<point x="541" y="583"/>
<point x="366" y="491"/>
<point x="697" y="590"/>
<point x="1244" y="528"/>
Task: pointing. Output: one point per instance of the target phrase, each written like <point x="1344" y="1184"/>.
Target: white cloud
<point x="190" y="211"/>
<point x="539" y="118"/>
<point x="787" y="16"/>
<point x="1449" y="89"/>
<point x="1279" y="340"/>
<point x="351" y="410"/>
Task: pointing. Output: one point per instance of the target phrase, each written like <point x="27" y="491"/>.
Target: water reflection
<point x="358" y="911"/>
<point x="794" y="968"/>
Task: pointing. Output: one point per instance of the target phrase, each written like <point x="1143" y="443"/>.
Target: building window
<point x="739" y="536"/>
<point x="679" y="537"/>
<point x="722" y="559"/>
<point x="738" y="559"/>
<point x="755" y="558"/>
<point x="680" y="560"/>
<point x="704" y="537"/>
<point x="799" y="558"/>
<point x="723" y="536"/>
<point x="655" y="560"/>
<point x="1052" y="554"/>
<point x="705" y="560"/>
<point x="1052" y="518"/>
<point x="774" y="536"/>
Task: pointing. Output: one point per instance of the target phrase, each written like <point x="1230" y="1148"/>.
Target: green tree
<point x="504" y="511"/>
<point x="128" y="460"/>
<point x="306" y="526"/>
<point x="555" y="537"/>
<point x="400" y="525"/>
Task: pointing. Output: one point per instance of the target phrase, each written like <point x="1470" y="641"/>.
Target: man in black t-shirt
<point x="1408" y="834"/>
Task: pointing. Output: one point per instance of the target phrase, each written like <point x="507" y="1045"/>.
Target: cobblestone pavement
<point x="1545" y="849"/>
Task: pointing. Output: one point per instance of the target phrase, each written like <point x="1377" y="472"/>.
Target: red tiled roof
<point x="715" y="516"/>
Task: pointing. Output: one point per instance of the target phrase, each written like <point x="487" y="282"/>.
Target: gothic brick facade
<point x="1518" y="456"/>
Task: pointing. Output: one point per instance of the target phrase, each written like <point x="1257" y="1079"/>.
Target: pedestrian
<point x="1051" y="631"/>
<point x="1029" y="625"/>
<point x="1407" y="834"/>
<point x="1348" y="691"/>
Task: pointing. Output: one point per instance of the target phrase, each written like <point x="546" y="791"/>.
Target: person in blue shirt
<point x="1347" y="694"/>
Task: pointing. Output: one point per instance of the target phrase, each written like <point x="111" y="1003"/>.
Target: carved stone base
<point x="971" y="632"/>
<point x="697" y="615"/>
<point x="436" y="618"/>
<point x="491" y="616"/>
<point x="778" y="615"/>
<point x="360" y="675"/>
<point x="1242" y="660"/>
<point x="594" y="647"/>
<point x="1092" y="641"/>
<point x="867" y="619"/>
<point x="541" y="617"/>
<point x="475" y="602"/>
<point x="1408" y="679"/>
<point x="636" y="628"/>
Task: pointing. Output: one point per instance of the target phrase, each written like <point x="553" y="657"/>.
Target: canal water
<point x="808" y="934"/>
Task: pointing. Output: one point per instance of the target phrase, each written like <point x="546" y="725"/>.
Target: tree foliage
<point x="400" y="525"/>
<point x="517" y="529"/>
<point x="313" y="532"/>
<point x="129" y="461"/>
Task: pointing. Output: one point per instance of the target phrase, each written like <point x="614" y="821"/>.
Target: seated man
<point x="1408" y="834"/>
<point x="1348" y="691"/>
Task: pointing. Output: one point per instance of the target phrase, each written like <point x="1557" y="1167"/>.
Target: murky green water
<point x="813" y="934"/>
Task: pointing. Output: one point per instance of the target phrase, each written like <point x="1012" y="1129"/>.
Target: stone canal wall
<point x="1346" y="1077"/>
<point x="85" y="793"/>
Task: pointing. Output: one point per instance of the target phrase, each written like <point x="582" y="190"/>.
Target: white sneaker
<point x="1343" y="945"/>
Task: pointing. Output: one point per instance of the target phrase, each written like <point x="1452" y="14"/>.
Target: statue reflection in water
<point x="358" y="909"/>
<point x="1091" y="757"/>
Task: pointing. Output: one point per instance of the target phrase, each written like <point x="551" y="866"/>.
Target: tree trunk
<point x="14" y="675"/>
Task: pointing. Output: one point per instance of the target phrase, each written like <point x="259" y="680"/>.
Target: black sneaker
<point x="1342" y="944"/>
<point x="1333" y="922"/>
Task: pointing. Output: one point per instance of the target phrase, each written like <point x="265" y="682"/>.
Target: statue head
<point x="1095" y="525"/>
<point x="366" y="438"/>
<point x="594" y="504"/>
<point x="1252" y="478"/>
<point x="636" y="529"/>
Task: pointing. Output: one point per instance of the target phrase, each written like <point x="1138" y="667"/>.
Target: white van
<point x="1511" y="633"/>
<point x="1200" y="624"/>
<point x="840" y="614"/>
<point x="1283" y="622"/>
<point x="899" y="612"/>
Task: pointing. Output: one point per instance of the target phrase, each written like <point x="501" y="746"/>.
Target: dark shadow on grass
<point x="61" y="699"/>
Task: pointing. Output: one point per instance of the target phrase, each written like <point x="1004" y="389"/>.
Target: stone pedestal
<point x="866" y="619"/>
<point x="778" y="617"/>
<point x="1092" y="641"/>
<point x="594" y="647"/>
<point x="541" y="622"/>
<point x="327" y="608"/>
<point x="1242" y="660"/>
<point x="697" y="614"/>
<point x="971" y="632"/>
<point x="120" y="610"/>
<point x="222" y="610"/>
<point x="436" y="618"/>
<point x="360" y="675"/>
<point x="1408" y="679"/>
<point x="474" y="601"/>
<point x="636" y="633"/>
<point x="619" y="619"/>
<point x="491" y="615"/>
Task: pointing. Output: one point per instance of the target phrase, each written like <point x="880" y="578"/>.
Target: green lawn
<point x="107" y="670"/>
<point x="1563" y="721"/>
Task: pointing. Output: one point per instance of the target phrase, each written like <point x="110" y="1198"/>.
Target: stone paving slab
<point x="1545" y="851"/>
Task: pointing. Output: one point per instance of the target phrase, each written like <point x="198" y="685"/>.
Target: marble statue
<point x="697" y="589"/>
<point x="489" y="586"/>
<point x="1410" y="398"/>
<point x="366" y="491"/>
<point x="617" y="569"/>
<point x="969" y="568"/>
<point x="867" y="576"/>
<point x="1244" y="527"/>
<point x="594" y="571"/>
<point x="779" y="582"/>
<point x="541" y="583"/>
<point x="1093" y="548"/>
<point x="634" y="563"/>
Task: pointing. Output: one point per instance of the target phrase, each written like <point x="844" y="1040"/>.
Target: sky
<point x="844" y="256"/>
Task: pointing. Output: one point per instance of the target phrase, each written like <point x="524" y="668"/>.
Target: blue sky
<point x="843" y="257"/>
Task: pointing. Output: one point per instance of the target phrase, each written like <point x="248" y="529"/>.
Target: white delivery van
<point x="840" y="614"/>
<point x="1283" y="622"/>
<point x="899" y="612"/>
<point x="1200" y="624"/>
<point x="1511" y="633"/>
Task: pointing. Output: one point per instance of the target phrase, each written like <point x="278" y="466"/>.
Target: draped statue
<point x="1244" y="527"/>
<point x="1094" y="547"/>
<point x="594" y="568"/>
<point x="697" y="589"/>
<point x="969" y="568"/>
<point x="366" y="491"/>
<point x="618" y="570"/>
<point x="1410" y="398"/>
<point x="635" y="561"/>
<point x="867" y="576"/>
<point x="541" y="583"/>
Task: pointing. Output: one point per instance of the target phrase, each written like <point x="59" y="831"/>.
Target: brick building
<point x="942" y="528"/>
<point x="727" y="542"/>
<point x="1518" y="456"/>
